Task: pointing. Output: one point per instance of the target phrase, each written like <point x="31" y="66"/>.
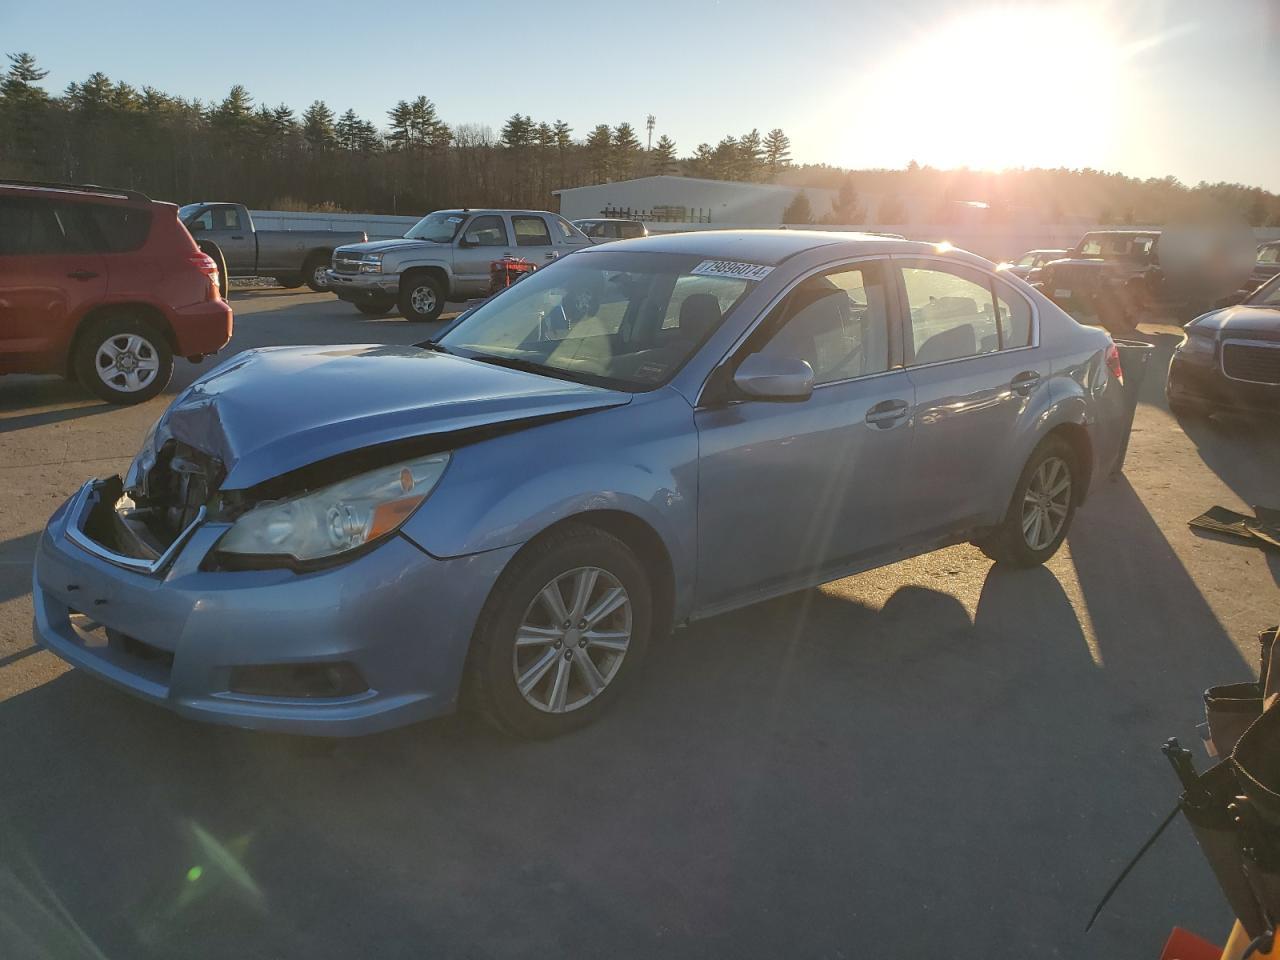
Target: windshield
<point x="627" y="321"/>
<point x="437" y="227"/>
<point x="185" y="212"/>
<point x="1267" y="295"/>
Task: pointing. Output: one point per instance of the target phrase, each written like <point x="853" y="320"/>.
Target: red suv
<point x="103" y="286"/>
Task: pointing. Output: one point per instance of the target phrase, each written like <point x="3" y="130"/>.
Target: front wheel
<point x="421" y="298"/>
<point x="1040" y="513"/>
<point x="315" y="273"/>
<point x="374" y="308"/>
<point x="562" y="633"/>
<point x="123" y="359"/>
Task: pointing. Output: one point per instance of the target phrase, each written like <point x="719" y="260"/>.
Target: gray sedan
<point x="337" y="540"/>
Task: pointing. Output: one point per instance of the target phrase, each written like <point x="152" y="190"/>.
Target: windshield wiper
<point x="434" y="347"/>
<point x="516" y="363"/>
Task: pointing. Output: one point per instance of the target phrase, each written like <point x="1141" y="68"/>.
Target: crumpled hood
<point x="266" y="412"/>
<point x="386" y="246"/>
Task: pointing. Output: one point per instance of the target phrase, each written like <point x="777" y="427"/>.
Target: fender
<point x="416" y="262"/>
<point x="505" y="491"/>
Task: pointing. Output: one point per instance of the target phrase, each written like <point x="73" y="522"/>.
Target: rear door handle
<point x="81" y="274"/>
<point x="241" y="237"/>
<point x="1025" y="382"/>
<point x="886" y="413"/>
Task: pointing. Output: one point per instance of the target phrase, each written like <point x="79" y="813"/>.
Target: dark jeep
<point x="1112" y="274"/>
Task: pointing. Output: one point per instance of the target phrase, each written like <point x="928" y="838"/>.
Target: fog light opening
<point x="340" y="679"/>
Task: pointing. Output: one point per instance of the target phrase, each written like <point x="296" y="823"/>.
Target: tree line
<point x="273" y="157"/>
<point x="104" y="131"/>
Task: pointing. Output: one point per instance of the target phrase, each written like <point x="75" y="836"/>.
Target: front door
<point x="972" y="359"/>
<point x="50" y="274"/>
<point x="482" y="241"/>
<point x="533" y="238"/>
<point x="789" y="492"/>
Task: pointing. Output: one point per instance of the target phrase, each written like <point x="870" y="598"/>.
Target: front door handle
<point x="81" y="274"/>
<point x="1025" y="382"/>
<point x="887" y="413"/>
<point x="241" y="237"/>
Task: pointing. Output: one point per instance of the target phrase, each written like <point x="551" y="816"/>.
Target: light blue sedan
<point x="340" y="539"/>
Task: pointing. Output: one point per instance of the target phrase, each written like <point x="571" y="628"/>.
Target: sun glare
<point x="979" y="90"/>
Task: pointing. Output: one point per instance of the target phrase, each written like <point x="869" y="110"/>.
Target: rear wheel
<point x="289" y="281"/>
<point x="1040" y="513"/>
<point x="315" y="272"/>
<point x="421" y="297"/>
<point x="375" y="308"/>
<point x="123" y="359"/>
<point x="563" y="632"/>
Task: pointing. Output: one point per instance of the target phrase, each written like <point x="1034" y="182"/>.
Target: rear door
<point x="484" y="239"/>
<point x="533" y="238"/>
<point x="790" y="491"/>
<point x="979" y="378"/>
<point x="50" y="275"/>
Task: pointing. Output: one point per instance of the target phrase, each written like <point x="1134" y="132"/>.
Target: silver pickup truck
<point x="445" y="256"/>
<point x="291" y="257"/>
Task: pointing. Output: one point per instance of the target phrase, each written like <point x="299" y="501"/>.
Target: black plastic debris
<point x="1262" y="530"/>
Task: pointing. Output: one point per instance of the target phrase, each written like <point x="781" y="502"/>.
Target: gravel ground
<point x="934" y="755"/>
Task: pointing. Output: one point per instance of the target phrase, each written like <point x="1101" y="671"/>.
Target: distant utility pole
<point x="649" y="123"/>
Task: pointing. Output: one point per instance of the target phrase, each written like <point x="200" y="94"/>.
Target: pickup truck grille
<point x="344" y="264"/>
<point x="1257" y="363"/>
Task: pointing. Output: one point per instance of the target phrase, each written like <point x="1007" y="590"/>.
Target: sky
<point x="1143" y="87"/>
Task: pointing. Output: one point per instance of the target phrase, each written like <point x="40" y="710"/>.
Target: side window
<point x="1269" y="255"/>
<point x="202" y="222"/>
<point x="30" y="227"/>
<point x="838" y="322"/>
<point x="952" y="316"/>
<point x="487" y="231"/>
<point x="1027" y="261"/>
<point x="531" y="232"/>
<point x="1091" y="248"/>
<point x="114" y="228"/>
<point x="1015" y="317"/>
<point x="630" y="230"/>
<point x="227" y="218"/>
<point x="700" y="292"/>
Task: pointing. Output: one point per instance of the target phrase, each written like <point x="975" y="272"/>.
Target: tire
<point x="1008" y="544"/>
<point x="374" y="308"/>
<point x="1187" y="410"/>
<point x="312" y="272"/>
<point x="212" y="250"/>
<point x="421" y="298"/>
<point x="289" y="282"/>
<point x="150" y="364"/>
<point x="559" y="695"/>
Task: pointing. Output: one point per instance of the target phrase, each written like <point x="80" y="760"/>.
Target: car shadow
<point x="794" y="778"/>
<point x="16" y="556"/>
<point x="20" y="393"/>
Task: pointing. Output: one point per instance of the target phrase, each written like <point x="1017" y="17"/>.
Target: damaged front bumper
<point x="389" y="629"/>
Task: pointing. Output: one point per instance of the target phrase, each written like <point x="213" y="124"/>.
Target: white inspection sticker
<point x="731" y="268"/>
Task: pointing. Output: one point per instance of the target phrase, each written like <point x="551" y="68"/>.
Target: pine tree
<point x="798" y="211"/>
<point x="24" y="113"/>
<point x="564" y="135"/>
<point x="599" y="147"/>
<point x="626" y="149"/>
<point x="726" y="160"/>
<point x="751" y="156"/>
<point x="702" y="162"/>
<point x="662" y="159"/>
<point x="777" y="151"/>
<point x="517" y="131"/>
<point x="318" y="126"/>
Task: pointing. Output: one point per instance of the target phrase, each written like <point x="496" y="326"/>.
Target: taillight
<point x="206" y="265"/>
<point x="1113" y="363"/>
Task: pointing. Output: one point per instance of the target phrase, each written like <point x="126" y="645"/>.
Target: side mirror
<point x="787" y="379"/>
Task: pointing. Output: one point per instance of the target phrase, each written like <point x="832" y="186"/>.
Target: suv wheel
<point x="563" y="632"/>
<point x="1040" y="514"/>
<point x="421" y="297"/>
<point x="123" y="359"/>
<point x="315" y="273"/>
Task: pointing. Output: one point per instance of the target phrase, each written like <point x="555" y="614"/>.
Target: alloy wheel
<point x="1046" y="502"/>
<point x="127" y="363"/>
<point x="320" y="275"/>
<point x="572" y="640"/>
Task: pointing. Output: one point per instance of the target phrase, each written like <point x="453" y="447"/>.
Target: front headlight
<point x="1198" y="343"/>
<point x="371" y="263"/>
<point x="334" y="519"/>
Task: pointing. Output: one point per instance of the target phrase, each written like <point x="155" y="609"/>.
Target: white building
<point x="690" y="201"/>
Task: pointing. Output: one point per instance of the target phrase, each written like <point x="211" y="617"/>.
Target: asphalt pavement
<point x="937" y="758"/>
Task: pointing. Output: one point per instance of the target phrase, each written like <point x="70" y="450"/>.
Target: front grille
<point x="1257" y="363"/>
<point x="345" y="264"/>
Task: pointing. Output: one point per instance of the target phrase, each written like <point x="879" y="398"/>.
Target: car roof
<point x="475" y="210"/>
<point x="72" y="191"/>
<point x="769" y="247"/>
<point x="1124" y="233"/>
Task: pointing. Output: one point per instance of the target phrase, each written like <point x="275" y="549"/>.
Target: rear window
<point x="118" y="229"/>
<point x="32" y="226"/>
